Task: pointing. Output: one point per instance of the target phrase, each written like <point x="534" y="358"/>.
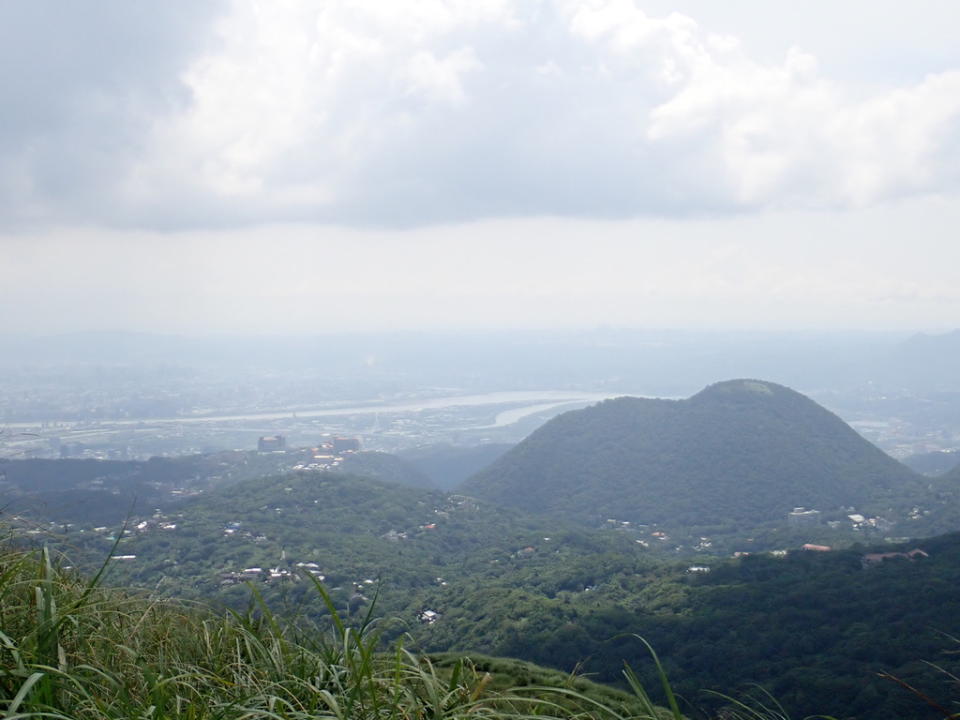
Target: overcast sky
<point x="310" y="165"/>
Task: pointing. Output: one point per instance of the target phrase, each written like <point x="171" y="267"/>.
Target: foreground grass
<point x="70" y="648"/>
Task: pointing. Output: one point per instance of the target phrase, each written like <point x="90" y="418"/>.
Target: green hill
<point x="737" y="456"/>
<point x="815" y="629"/>
<point x="360" y="535"/>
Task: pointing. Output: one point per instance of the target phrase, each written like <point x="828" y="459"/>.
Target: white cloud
<point x="440" y="79"/>
<point x="415" y="112"/>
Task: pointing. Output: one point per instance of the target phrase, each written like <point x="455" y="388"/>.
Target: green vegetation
<point x="729" y="462"/>
<point x="357" y="533"/>
<point x="625" y="518"/>
<point x="70" y="649"/>
<point x="73" y="649"/>
<point x="814" y="629"/>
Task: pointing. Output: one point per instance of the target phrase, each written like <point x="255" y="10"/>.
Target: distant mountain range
<point x="738" y="454"/>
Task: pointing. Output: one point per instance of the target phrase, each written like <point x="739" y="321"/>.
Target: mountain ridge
<point x="745" y="451"/>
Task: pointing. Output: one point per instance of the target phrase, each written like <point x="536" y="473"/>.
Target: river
<point x="532" y="401"/>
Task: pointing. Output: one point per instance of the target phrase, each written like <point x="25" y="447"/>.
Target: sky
<point x="295" y="166"/>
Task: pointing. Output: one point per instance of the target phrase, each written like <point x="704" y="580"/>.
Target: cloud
<point x="417" y="112"/>
<point x="795" y="270"/>
<point x="81" y="86"/>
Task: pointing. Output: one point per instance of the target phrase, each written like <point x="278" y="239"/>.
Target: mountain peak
<point x="742" y="388"/>
<point x="742" y="452"/>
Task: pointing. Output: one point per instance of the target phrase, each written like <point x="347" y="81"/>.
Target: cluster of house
<point x="293" y="572"/>
<point x="272" y="574"/>
<point x="801" y="517"/>
<point x="628" y="526"/>
<point x="233" y="529"/>
<point x="325" y="456"/>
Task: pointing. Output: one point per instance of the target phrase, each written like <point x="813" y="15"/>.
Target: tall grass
<point x="71" y="649"/>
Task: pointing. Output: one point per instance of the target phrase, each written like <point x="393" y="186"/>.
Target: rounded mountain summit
<point x="742" y="451"/>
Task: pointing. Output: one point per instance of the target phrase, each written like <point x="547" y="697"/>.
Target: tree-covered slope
<point x="815" y="629"/>
<point x="741" y="452"/>
<point x="361" y="535"/>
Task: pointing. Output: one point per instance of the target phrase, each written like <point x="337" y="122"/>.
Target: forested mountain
<point x="738" y="455"/>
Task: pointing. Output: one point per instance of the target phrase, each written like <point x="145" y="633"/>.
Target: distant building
<point x="801" y="517"/>
<point x="343" y="444"/>
<point x="816" y="548"/>
<point x="271" y="443"/>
